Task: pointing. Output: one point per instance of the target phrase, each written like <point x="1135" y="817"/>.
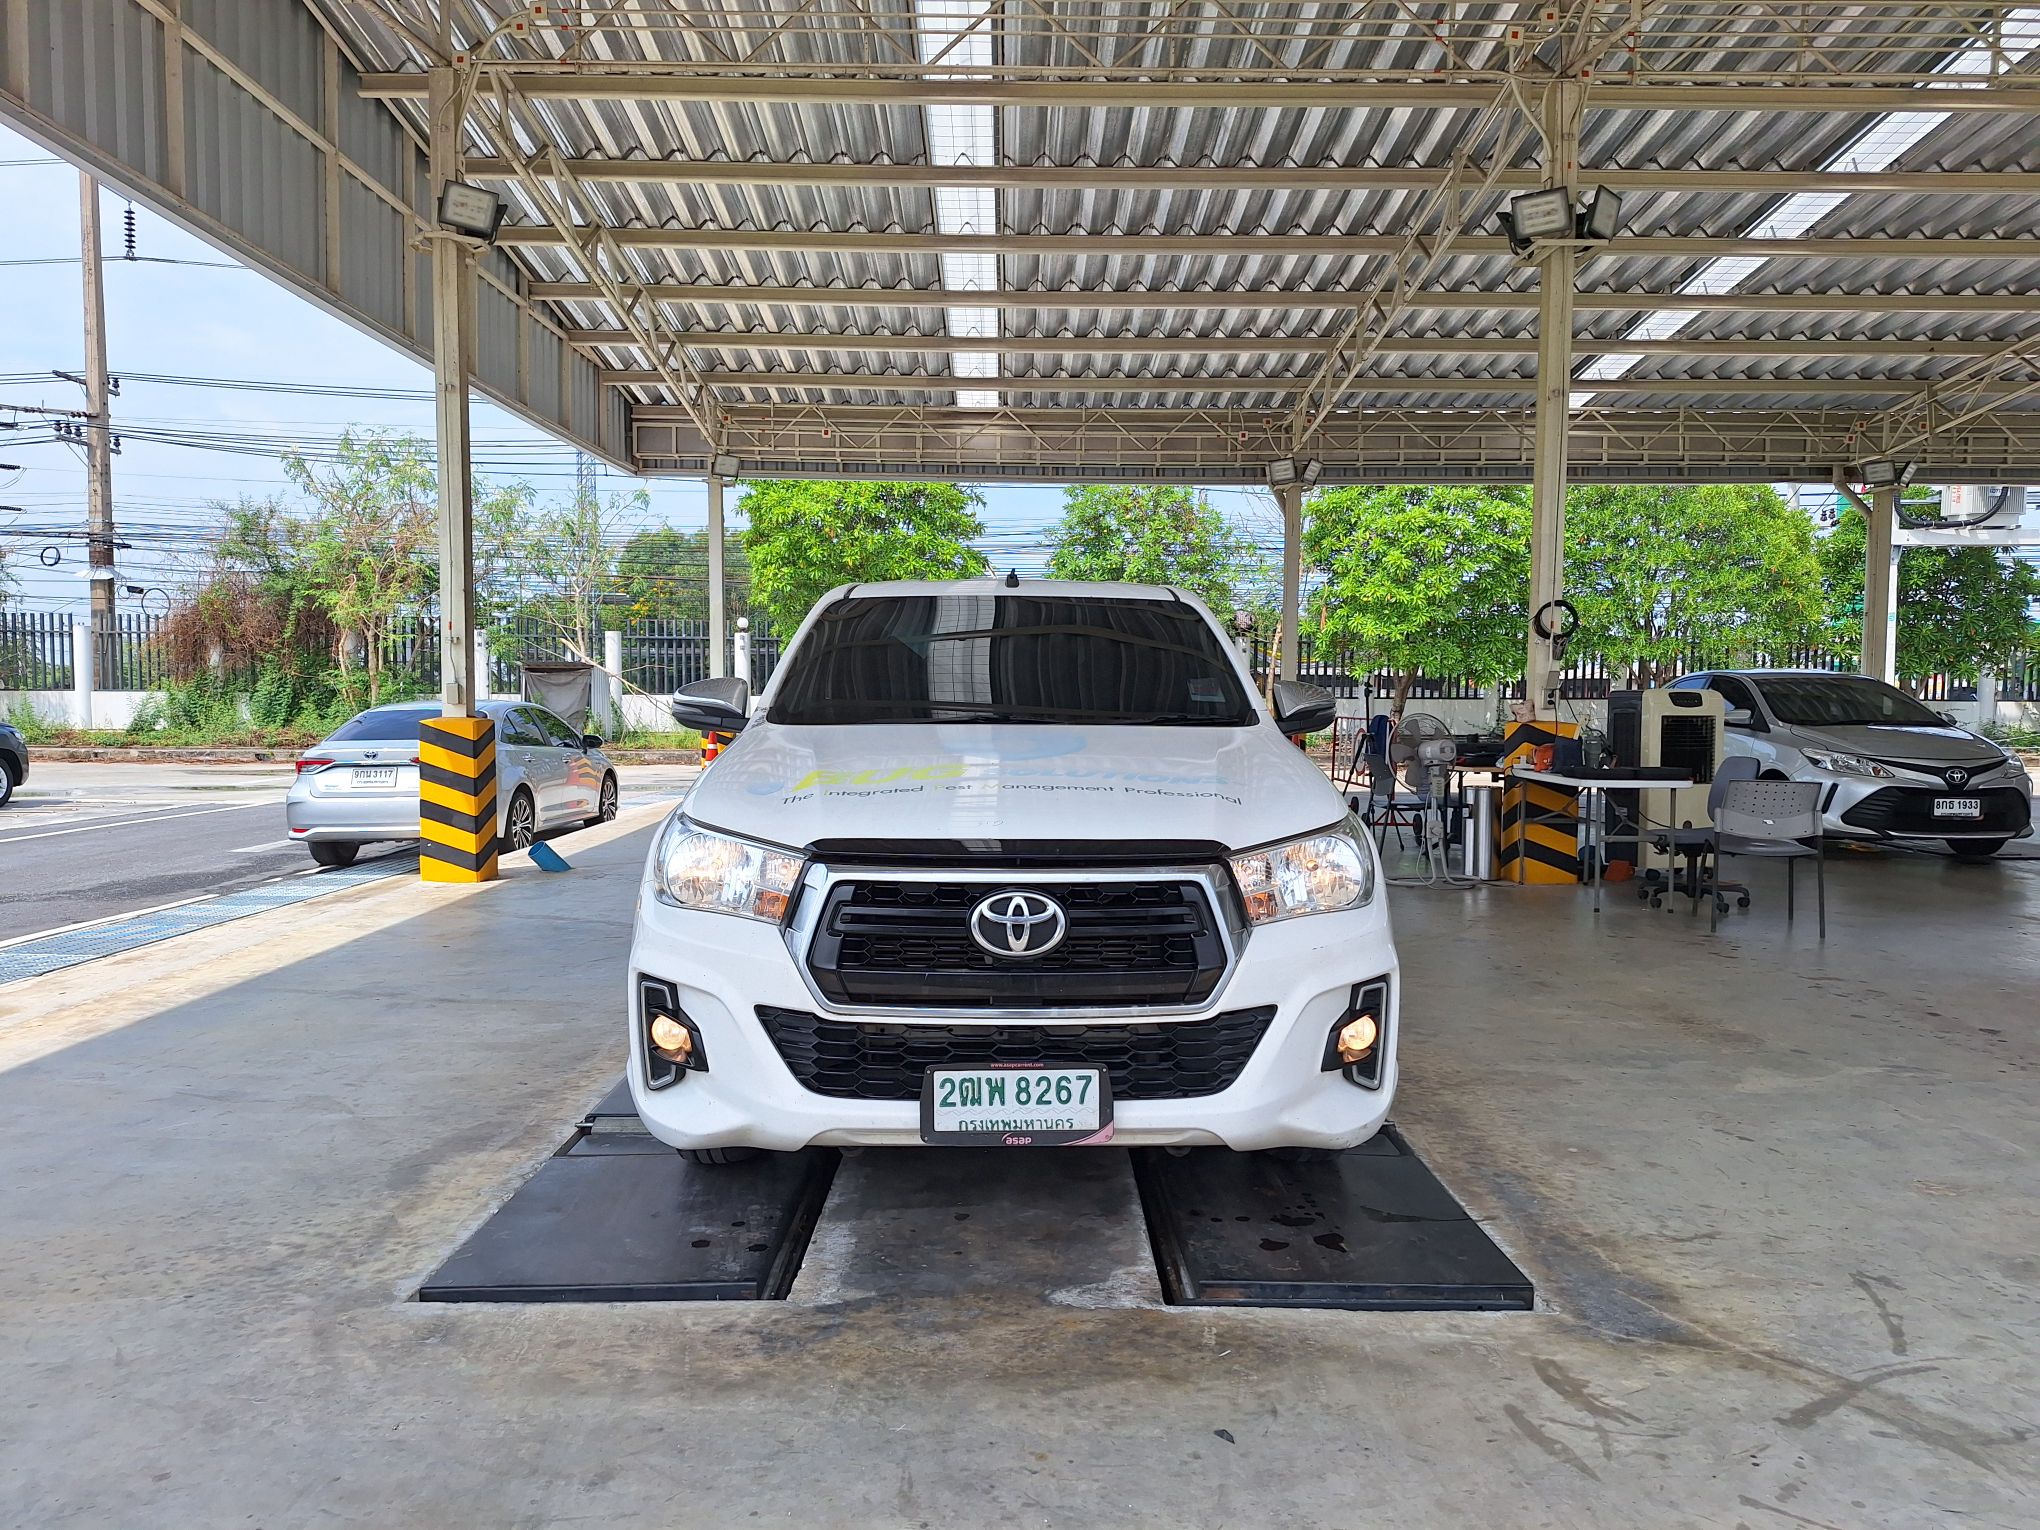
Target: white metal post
<point x="1880" y="587"/>
<point x="1558" y="275"/>
<point x="718" y="615"/>
<point x="612" y="664"/>
<point x="742" y="644"/>
<point x="1291" y="497"/>
<point x="82" y="680"/>
<point x="453" y="352"/>
<point x="99" y="436"/>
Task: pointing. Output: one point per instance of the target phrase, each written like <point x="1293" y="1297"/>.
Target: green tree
<point x="371" y="539"/>
<point x="1422" y="580"/>
<point x="663" y="573"/>
<point x="1960" y="609"/>
<point x="1156" y="534"/>
<point x="566" y="554"/>
<point x="1653" y="568"/>
<point x="805" y="537"/>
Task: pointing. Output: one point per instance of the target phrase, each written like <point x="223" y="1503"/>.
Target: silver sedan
<point x="360" y="784"/>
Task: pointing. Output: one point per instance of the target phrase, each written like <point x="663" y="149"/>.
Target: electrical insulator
<point x="127" y="221"/>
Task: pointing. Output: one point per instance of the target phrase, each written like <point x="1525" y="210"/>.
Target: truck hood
<point x="792" y="786"/>
<point x="1928" y="746"/>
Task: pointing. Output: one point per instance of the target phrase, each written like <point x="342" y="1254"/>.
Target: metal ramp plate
<point x="632" y="1221"/>
<point x="1371" y="1229"/>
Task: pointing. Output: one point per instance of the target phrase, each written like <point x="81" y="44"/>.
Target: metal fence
<point x="35" y="653"/>
<point x="1590" y="678"/>
<point x="661" y="654"/>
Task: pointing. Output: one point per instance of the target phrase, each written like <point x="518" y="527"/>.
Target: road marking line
<point x="267" y="844"/>
<point x="126" y="823"/>
<point x="204" y="897"/>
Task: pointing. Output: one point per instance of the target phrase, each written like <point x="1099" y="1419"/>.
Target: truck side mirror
<point x="1301" y="707"/>
<point x="1738" y="717"/>
<point x="721" y="705"/>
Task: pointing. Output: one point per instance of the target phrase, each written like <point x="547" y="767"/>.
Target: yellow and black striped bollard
<point x="457" y="799"/>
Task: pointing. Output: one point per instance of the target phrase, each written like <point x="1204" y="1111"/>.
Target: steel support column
<point x="453" y="354"/>
<point x="1557" y="278"/>
<point x="718" y="614"/>
<point x="1291" y="497"/>
<point x="1880" y="588"/>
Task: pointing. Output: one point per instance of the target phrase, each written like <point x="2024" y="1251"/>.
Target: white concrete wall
<point x="110" y="709"/>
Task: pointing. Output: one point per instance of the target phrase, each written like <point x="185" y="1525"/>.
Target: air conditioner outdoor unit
<point x="1681" y="730"/>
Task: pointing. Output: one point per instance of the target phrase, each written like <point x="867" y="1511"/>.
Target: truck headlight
<point x="1848" y="764"/>
<point x="1320" y="874"/>
<point x="696" y="868"/>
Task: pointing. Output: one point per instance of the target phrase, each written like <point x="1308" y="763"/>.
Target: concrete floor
<point x="1778" y="1198"/>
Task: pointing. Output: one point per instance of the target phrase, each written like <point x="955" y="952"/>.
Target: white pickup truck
<point x="993" y="863"/>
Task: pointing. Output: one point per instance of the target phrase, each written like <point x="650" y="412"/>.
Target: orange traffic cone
<point x="711" y="746"/>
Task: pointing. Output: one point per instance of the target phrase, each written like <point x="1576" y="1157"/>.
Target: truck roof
<point x="995" y="584"/>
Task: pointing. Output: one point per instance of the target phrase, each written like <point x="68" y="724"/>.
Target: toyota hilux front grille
<point x="908" y="943"/>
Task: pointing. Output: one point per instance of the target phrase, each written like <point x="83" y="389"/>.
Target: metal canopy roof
<point x="1207" y="234"/>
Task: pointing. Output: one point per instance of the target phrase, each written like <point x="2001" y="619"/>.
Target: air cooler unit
<point x="1681" y="730"/>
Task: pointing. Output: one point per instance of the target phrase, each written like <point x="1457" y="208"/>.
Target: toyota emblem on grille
<point x="1018" y="924"/>
<point x="1958" y="777"/>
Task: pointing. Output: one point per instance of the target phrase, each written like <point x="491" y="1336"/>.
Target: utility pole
<point x="99" y="431"/>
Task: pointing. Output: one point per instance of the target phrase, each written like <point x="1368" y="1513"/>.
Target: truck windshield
<point x="990" y="657"/>
<point x="1825" y="701"/>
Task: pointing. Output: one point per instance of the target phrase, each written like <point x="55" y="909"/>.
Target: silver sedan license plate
<point x="1016" y="1106"/>
<point x="1958" y="807"/>
<point x="375" y="775"/>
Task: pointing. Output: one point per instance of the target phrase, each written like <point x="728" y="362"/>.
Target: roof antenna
<point x="1012" y="579"/>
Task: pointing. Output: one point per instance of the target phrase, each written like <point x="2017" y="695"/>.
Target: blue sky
<point x="219" y="320"/>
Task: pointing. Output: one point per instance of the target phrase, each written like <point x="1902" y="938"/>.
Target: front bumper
<point x="725" y="969"/>
<point x="1859" y="807"/>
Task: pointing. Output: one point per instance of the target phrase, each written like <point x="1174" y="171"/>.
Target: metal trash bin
<point x="1477" y="834"/>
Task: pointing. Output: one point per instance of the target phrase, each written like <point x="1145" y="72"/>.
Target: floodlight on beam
<point x="1885" y="473"/>
<point x="1534" y="215"/>
<point x="724" y="465"/>
<point x="1600" y="214"/>
<point x="1310" y="472"/>
<point x="1281" y="473"/>
<point x="471" y="210"/>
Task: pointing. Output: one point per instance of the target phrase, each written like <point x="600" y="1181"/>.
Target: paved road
<point x="85" y="842"/>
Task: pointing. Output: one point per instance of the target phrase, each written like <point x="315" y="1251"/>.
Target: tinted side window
<point x="557" y="731"/>
<point x="518" y="728"/>
<point x="1733" y="693"/>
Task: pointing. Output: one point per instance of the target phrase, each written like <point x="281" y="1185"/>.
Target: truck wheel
<point x="334" y="852"/>
<point x="717" y="1155"/>
<point x="1976" y="849"/>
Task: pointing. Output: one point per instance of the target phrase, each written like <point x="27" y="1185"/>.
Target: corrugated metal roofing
<point x="1693" y="41"/>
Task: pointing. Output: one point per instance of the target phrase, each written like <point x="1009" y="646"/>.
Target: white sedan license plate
<point x="1958" y="807"/>
<point x="375" y="775"/>
<point x="1016" y="1107"/>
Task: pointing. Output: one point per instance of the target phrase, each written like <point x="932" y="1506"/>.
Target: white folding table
<point x="1592" y="813"/>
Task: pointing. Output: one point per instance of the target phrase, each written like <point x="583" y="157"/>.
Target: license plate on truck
<point x="1958" y="807"/>
<point x="1025" y="1106"/>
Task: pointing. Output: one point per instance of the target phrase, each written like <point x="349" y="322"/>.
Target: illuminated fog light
<point x="1357" y="1038"/>
<point x="671" y="1040"/>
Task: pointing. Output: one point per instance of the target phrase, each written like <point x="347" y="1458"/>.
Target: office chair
<point x="1695" y="843"/>
<point x="1772" y="819"/>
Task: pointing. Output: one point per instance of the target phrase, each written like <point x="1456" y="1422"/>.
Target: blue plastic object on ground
<point x="548" y="859"/>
